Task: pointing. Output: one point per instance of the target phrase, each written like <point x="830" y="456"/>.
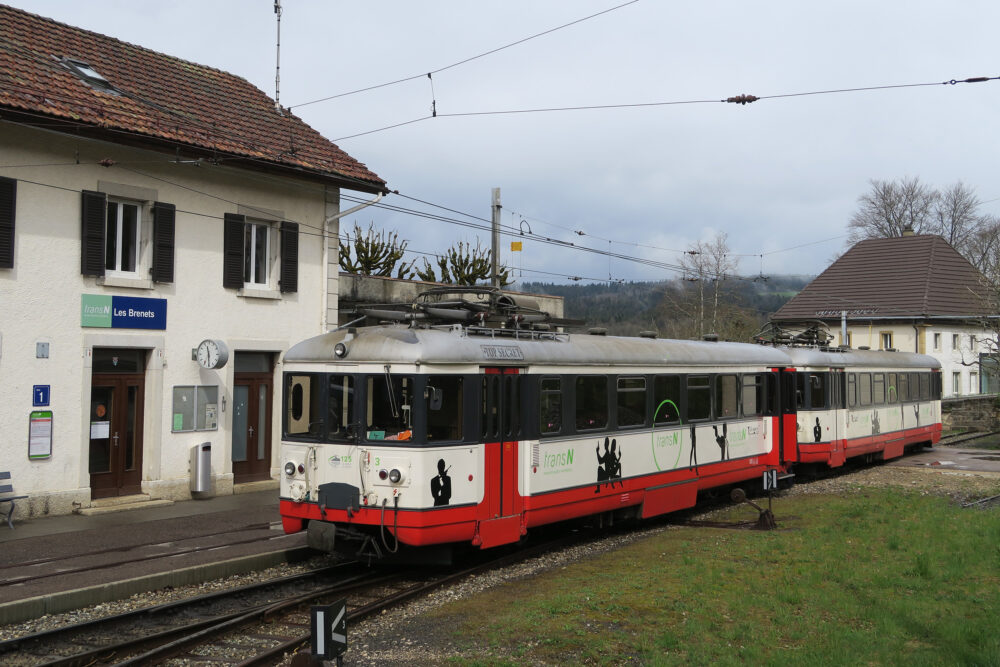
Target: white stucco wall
<point x="40" y="301"/>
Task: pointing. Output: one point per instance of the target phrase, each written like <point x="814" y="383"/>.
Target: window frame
<point x="139" y="241"/>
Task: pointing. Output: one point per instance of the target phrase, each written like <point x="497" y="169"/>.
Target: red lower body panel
<point x="890" y="445"/>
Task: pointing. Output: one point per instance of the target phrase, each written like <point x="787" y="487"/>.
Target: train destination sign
<point x="122" y="312"/>
<point x="502" y="352"/>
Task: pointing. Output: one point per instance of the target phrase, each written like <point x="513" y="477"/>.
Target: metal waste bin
<point x="201" y="469"/>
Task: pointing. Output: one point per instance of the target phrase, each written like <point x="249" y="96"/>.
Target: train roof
<point x="837" y="357"/>
<point x="458" y="344"/>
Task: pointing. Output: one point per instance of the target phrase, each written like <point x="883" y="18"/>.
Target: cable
<point x="738" y="99"/>
<point x="466" y="60"/>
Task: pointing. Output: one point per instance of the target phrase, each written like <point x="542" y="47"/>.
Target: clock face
<point x="212" y="354"/>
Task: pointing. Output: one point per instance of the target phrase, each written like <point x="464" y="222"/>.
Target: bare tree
<point x="374" y="253"/>
<point x="955" y="216"/>
<point x="708" y="264"/>
<point x="891" y="207"/>
<point x="464" y="265"/>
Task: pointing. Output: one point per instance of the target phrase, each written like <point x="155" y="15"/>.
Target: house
<point x="914" y="293"/>
<point x="166" y="233"/>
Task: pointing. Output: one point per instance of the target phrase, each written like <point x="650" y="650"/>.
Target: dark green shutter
<point x="162" y="270"/>
<point x="92" y="224"/>
<point x="289" y="281"/>
<point x="232" y="260"/>
<point x="8" y="201"/>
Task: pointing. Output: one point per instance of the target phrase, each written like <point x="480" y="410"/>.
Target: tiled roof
<point x="158" y="101"/>
<point x="908" y="277"/>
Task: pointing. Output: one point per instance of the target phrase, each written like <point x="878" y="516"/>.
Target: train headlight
<point x="395" y="476"/>
<point x="290" y="469"/>
<point x="340" y="350"/>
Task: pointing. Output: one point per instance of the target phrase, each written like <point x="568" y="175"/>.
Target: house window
<point x="955" y="344"/>
<point x="119" y="240"/>
<point x="848" y="341"/>
<point x="885" y="339"/>
<point x="122" y="237"/>
<point x="972" y="342"/>
<point x="261" y="256"/>
<point x="973" y="383"/>
<point x="937" y="341"/>
<point x="956" y="383"/>
<point x="256" y="253"/>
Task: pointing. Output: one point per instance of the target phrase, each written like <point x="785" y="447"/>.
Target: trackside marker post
<point x="329" y="630"/>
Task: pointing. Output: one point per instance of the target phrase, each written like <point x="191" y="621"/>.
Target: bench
<point x="6" y="488"/>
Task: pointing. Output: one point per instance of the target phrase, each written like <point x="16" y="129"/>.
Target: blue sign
<point x="123" y="312"/>
<point x="40" y="395"/>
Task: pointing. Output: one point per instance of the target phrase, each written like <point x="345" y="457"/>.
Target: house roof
<point x="908" y="277"/>
<point x="157" y="101"/>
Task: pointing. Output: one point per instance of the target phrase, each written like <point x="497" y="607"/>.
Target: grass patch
<point x="877" y="577"/>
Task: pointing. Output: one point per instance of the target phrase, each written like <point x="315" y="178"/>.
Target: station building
<point x="914" y="293"/>
<point x="166" y="233"/>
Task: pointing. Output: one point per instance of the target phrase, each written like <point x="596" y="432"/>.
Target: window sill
<point x="119" y="281"/>
<point x="249" y="293"/>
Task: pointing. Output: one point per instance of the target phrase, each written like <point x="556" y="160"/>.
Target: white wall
<point x="40" y="300"/>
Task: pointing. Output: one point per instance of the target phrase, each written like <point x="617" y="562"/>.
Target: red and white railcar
<point x="423" y="434"/>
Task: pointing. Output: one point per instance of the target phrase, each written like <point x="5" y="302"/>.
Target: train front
<point x="364" y="451"/>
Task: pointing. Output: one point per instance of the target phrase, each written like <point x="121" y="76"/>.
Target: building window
<point x="848" y="341"/>
<point x="956" y="383"/>
<point x="885" y="340"/>
<point x="955" y="344"/>
<point x="122" y="237"/>
<point x="937" y="341"/>
<point x="118" y="240"/>
<point x="973" y="383"/>
<point x="256" y="253"/>
<point x="260" y="255"/>
<point x="972" y="342"/>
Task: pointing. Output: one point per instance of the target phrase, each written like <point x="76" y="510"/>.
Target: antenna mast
<point x="277" y="67"/>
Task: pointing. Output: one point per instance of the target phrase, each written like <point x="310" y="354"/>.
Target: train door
<point x="783" y="404"/>
<point x="116" y="402"/>
<point x="500" y="423"/>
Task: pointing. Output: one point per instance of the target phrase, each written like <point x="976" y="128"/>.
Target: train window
<point x="891" y="388"/>
<point x="818" y="390"/>
<point x="925" y="386"/>
<point x="444" y="404"/>
<point x="878" y="388"/>
<point x="752" y="395"/>
<point x="864" y="388"/>
<point x="727" y="397"/>
<point x="340" y="406"/>
<point x="591" y="402"/>
<point x="801" y="389"/>
<point x="699" y="398"/>
<point x="388" y="409"/>
<point x="667" y="398"/>
<point x="903" y="386"/>
<point x="489" y="428"/>
<point x="512" y="406"/>
<point x="914" y="386"/>
<point x="303" y="408"/>
<point x="631" y="401"/>
<point x="852" y="390"/>
<point x="550" y="406"/>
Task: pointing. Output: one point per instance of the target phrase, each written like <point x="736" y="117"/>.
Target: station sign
<point x="122" y="312"/>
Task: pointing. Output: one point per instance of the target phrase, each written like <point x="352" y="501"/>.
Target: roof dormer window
<point x="87" y="73"/>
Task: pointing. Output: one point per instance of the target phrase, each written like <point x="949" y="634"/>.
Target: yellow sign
<point x="515" y="246"/>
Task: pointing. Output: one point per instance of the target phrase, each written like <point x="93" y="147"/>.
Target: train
<point x="469" y="418"/>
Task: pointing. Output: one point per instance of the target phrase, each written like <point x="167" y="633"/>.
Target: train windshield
<point x="318" y="407"/>
<point x="388" y="409"/>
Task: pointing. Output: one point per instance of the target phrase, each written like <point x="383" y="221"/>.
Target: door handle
<point x="251" y="431"/>
<point x="115" y="438"/>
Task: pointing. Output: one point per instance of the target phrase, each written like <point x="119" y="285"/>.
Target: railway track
<point x="253" y="625"/>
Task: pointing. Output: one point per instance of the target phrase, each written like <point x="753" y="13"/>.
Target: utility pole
<point x="496" y="238"/>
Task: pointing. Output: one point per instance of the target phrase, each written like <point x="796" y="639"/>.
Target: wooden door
<point x="115" y="457"/>
<point x="251" y="450"/>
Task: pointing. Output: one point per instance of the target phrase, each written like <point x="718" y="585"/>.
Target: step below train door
<point x="500" y="423"/>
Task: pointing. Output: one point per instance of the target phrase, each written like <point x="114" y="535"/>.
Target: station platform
<point x="55" y="564"/>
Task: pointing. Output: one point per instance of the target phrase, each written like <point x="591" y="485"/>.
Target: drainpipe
<point x="843" y="327"/>
<point x="325" y="324"/>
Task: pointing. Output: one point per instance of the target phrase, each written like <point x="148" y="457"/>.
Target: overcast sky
<point x="780" y="176"/>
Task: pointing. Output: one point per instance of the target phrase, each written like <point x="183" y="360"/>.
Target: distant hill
<point x="667" y="307"/>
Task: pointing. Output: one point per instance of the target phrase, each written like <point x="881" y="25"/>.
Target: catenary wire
<point x="466" y="60"/>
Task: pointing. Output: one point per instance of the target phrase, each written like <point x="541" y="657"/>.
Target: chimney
<point x="907" y="231"/>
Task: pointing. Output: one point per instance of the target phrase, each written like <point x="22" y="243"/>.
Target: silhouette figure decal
<point x="441" y="485"/>
<point x="609" y="465"/>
